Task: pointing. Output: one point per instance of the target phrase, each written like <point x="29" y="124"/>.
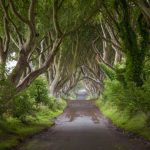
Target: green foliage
<point x="13" y="131"/>
<point x="122" y="119"/>
<point x="7" y="90"/>
<point x="22" y="118"/>
<point x="22" y="106"/>
<point x="56" y="104"/>
<point x="74" y="13"/>
<point x="108" y="71"/>
<point x="146" y="69"/>
<point x="130" y="97"/>
<point x="36" y="95"/>
<point x="120" y="72"/>
<point x="134" y="49"/>
<point x="38" y="91"/>
<point x="114" y="93"/>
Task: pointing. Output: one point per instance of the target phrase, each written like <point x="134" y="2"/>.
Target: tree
<point x="32" y="35"/>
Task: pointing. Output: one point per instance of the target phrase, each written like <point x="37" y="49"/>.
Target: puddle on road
<point x="81" y="127"/>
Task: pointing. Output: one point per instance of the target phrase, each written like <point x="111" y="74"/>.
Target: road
<point x="83" y="127"/>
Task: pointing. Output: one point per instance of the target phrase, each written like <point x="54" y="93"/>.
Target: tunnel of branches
<point x="74" y="42"/>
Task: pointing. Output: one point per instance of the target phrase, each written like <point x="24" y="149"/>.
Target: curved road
<point x="82" y="127"/>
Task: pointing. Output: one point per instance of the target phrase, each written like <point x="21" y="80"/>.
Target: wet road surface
<point x="82" y="127"/>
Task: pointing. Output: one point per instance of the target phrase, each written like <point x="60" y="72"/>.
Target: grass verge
<point x="135" y="124"/>
<point x="12" y="131"/>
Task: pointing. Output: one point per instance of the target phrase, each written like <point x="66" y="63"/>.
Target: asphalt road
<point x="83" y="127"/>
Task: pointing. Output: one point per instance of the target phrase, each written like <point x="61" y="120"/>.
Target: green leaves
<point x="7" y="91"/>
<point x="111" y="74"/>
<point x="39" y="91"/>
<point x="22" y="106"/>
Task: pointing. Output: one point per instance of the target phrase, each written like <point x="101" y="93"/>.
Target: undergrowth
<point x="13" y="131"/>
<point x="136" y="123"/>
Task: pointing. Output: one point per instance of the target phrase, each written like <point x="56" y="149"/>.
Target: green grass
<point x="7" y="144"/>
<point x="122" y="119"/>
<point x="12" y="131"/>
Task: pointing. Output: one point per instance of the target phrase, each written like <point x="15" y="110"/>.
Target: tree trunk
<point x="145" y="7"/>
<point x="3" y="58"/>
<point x="3" y="54"/>
<point x="118" y="56"/>
<point x="134" y="68"/>
<point x="19" y="69"/>
<point x="54" y="83"/>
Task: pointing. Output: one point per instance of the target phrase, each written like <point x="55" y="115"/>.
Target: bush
<point x="56" y="104"/>
<point x="61" y="104"/>
<point x="130" y="97"/>
<point x="23" y="106"/>
<point x="38" y="90"/>
<point x="7" y="91"/>
<point x="114" y="93"/>
<point x="24" y="103"/>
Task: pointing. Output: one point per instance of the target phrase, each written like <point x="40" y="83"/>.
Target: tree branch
<point x="55" y="19"/>
<point x="26" y="21"/>
<point x="30" y="77"/>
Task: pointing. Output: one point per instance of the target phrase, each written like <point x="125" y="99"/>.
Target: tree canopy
<point x="50" y="49"/>
<point x="72" y="41"/>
